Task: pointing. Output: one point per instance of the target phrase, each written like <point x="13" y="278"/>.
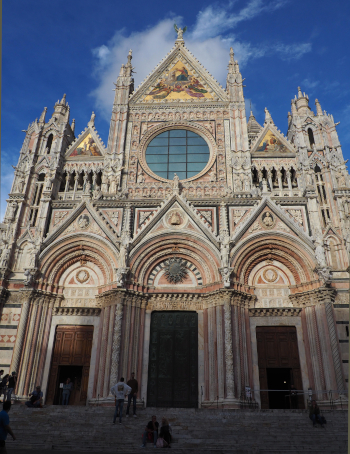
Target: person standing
<point x="152" y="430"/>
<point x="5" y="426"/>
<point x="1" y="374"/>
<point x="119" y="391"/>
<point x="133" y="393"/>
<point x="11" y="386"/>
<point x="3" y="385"/>
<point x="67" y="389"/>
<point x="293" y="397"/>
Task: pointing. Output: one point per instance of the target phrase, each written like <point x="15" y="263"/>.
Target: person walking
<point x="5" y="427"/>
<point x="152" y="431"/>
<point x="11" y="386"/>
<point x="3" y="386"/>
<point x="67" y="389"/>
<point x="119" y="391"/>
<point x="132" y="395"/>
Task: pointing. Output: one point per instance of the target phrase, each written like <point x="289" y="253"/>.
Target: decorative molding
<point x="275" y="312"/>
<point x="87" y="311"/>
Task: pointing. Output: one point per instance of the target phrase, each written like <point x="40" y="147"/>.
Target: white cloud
<point x="209" y="41"/>
<point x="215" y="20"/>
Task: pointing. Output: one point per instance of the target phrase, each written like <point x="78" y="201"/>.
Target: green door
<point x="173" y="360"/>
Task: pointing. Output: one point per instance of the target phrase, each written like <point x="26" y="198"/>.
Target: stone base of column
<point x="109" y="402"/>
<point x="228" y="402"/>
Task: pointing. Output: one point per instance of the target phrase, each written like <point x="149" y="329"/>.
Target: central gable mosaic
<point x="178" y="83"/>
<point x="271" y="144"/>
<point x="86" y="147"/>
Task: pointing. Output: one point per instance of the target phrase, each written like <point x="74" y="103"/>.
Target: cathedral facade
<point x="199" y="249"/>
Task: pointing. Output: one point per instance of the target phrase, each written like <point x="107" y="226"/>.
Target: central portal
<point x="173" y="360"/>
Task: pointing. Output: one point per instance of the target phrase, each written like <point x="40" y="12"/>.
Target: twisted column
<point x="228" y="349"/>
<point x="116" y="343"/>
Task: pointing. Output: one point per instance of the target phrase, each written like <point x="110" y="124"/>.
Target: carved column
<point x="338" y="367"/>
<point x="116" y="343"/>
<point x="220" y="353"/>
<point x="107" y="384"/>
<point x="66" y="188"/>
<point x="21" y="330"/>
<point x="76" y="178"/>
<point x="315" y="351"/>
<point x="228" y="349"/>
<point x="279" y="176"/>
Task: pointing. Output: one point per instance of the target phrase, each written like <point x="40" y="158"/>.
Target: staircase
<point x="207" y="431"/>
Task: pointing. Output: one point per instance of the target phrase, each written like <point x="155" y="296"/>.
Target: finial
<point x="129" y="57"/>
<point x="300" y="95"/>
<point x="122" y="70"/>
<point x="180" y="31"/>
<point x="232" y="54"/>
<point x="92" y="119"/>
<point x="63" y="100"/>
<point x="73" y="125"/>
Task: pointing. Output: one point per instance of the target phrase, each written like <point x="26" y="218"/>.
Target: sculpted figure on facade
<point x="11" y="211"/>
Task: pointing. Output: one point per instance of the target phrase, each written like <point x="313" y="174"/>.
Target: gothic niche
<point x="175" y="270"/>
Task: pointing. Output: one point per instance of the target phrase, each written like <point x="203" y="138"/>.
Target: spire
<point x="122" y="70"/>
<point x="318" y="107"/>
<point x="128" y="69"/>
<point x="293" y="108"/>
<point x="300" y="95"/>
<point x="231" y="64"/>
<point x="268" y="118"/>
<point x="42" y="116"/>
<point x="63" y="100"/>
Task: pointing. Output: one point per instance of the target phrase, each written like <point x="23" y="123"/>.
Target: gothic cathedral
<point x="199" y="249"/>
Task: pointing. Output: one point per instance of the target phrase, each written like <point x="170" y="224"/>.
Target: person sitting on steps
<point x="36" y="398"/>
<point x="165" y="432"/>
<point x="151" y="429"/>
<point x="314" y="413"/>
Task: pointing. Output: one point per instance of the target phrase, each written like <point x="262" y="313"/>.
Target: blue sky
<point x="77" y="47"/>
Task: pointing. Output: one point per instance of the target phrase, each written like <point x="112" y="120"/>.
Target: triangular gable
<point x="44" y="162"/>
<point x="330" y="231"/>
<point x="165" y="207"/>
<point x="27" y="235"/>
<point x="179" y="77"/>
<point x="271" y="142"/>
<point x="69" y="220"/>
<point x="316" y="157"/>
<point x="87" y="146"/>
<point x="251" y="223"/>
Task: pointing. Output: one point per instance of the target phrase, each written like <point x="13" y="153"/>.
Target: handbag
<point x="161" y="443"/>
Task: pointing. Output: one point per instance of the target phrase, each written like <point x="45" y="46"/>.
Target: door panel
<point x="173" y="360"/>
<point x="278" y="348"/>
<point x="72" y="348"/>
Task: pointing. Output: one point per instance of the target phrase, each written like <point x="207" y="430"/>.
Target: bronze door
<point x="72" y="348"/>
<point x="173" y="360"/>
<point x="278" y="349"/>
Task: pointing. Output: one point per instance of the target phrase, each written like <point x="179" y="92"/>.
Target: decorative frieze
<point x="275" y="312"/>
<point x="94" y="311"/>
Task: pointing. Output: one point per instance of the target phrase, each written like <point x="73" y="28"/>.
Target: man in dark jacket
<point x="134" y="389"/>
<point x="314" y="413"/>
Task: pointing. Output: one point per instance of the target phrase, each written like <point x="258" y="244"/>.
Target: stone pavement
<point x="214" y="431"/>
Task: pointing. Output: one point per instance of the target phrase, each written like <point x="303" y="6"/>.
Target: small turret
<point x="302" y="103"/>
<point x="318" y="108"/>
<point x="61" y="111"/>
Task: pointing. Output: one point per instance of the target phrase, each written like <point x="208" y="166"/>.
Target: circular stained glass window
<point x="177" y="151"/>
